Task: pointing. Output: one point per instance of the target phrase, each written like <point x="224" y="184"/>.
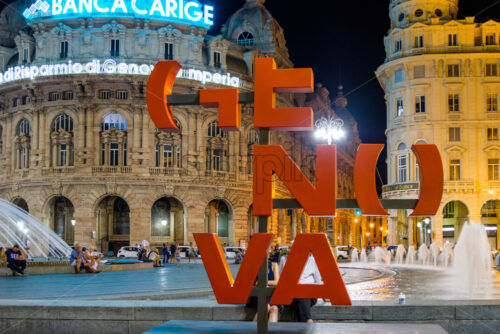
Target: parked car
<point x="231" y="251"/>
<point x="342" y="252"/>
<point x="184" y="250"/>
<point x="129" y="252"/>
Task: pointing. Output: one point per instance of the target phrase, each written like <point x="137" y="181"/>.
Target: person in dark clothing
<point x="173" y="248"/>
<point x="16" y="261"/>
<point x="166" y="253"/>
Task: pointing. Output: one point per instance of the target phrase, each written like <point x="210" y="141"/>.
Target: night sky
<point x="343" y="42"/>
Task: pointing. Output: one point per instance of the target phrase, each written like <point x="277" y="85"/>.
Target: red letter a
<point x="226" y="290"/>
<point x="333" y="287"/>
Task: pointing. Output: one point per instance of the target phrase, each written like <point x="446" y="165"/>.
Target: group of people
<point x="15" y="259"/>
<point x="172" y="253"/>
<point x="84" y="258"/>
<point x="300" y="308"/>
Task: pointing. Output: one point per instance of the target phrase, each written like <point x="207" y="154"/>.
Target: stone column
<point x="137" y="131"/>
<point x="392" y="224"/>
<point x="80" y="142"/>
<point x="437" y="229"/>
<point x="140" y="219"/>
<point x="54" y="155"/>
<point x="293" y="231"/>
<point x="410" y="231"/>
<point x="36" y="130"/>
<point x="85" y="224"/>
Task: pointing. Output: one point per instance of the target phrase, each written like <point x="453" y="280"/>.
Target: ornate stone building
<point x="79" y="150"/>
<point x="441" y="80"/>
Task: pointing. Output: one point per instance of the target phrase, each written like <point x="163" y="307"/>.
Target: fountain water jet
<point x="400" y="254"/>
<point x="410" y="258"/>
<point x="472" y="260"/>
<point x="447" y="254"/>
<point x="363" y="257"/>
<point x="354" y="255"/>
<point x="423" y="254"/>
<point x="382" y="255"/>
<point x="434" y="253"/>
<point x="33" y="237"/>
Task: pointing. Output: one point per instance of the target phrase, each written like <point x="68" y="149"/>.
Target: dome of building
<point x="406" y="12"/>
<point x="253" y="27"/>
<point x="11" y="21"/>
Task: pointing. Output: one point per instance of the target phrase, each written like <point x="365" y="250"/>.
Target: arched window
<point x="246" y="39"/>
<point x="23" y="128"/>
<point x="61" y="140"/>
<point x="22" y="144"/>
<point x="160" y="218"/>
<point x="168" y="149"/>
<point x="114" y="140"/>
<point x="417" y="170"/>
<point x="223" y="220"/>
<point x="214" y="130"/>
<point x="64" y="122"/>
<point x="402" y="164"/>
<point x="113" y="120"/>
<point x="217" y="148"/>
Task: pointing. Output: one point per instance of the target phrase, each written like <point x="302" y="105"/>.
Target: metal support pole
<point x="262" y="311"/>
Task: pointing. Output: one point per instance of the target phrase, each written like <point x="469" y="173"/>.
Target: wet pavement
<point x="364" y="282"/>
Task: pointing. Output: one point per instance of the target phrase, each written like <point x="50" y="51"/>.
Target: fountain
<point x="382" y="255"/>
<point x="434" y="253"/>
<point x="447" y="255"/>
<point x="472" y="260"/>
<point x="400" y="254"/>
<point x="363" y="257"/>
<point x="410" y="258"/>
<point x="354" y="255"/>
<point x="34" y="238"/>
<point x="423" y="254"/>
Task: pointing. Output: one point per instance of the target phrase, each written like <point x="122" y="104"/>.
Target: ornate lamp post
<point x="329" y="129"/>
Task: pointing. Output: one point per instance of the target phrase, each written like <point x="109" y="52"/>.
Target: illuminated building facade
<point x="441" y="79"/>
<point x="79" y="151"/>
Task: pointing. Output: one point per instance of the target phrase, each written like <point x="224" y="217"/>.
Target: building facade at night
<point x="79" y="151"/>
<point x="441" y="82"/>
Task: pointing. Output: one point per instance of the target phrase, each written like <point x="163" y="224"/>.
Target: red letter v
<point x="226" y="290"/>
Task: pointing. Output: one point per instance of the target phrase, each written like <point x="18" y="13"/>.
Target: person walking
<point x="191" y="252"/>
<point x="16" y="261"/>
<point x="177" y="257"/>
<point x="166" y="253"/>
<point x="173" y="254"/>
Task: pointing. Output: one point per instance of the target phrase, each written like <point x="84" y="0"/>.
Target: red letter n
<point x="319" y="201"/>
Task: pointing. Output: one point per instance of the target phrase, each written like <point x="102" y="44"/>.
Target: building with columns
<point x="441" y="82"/>
<point x="79" y="151"/>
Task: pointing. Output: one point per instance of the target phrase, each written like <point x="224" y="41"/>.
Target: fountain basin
<point x="63" y="267"/>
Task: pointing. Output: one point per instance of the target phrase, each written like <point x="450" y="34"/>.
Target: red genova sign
<point x="269" y="160"/>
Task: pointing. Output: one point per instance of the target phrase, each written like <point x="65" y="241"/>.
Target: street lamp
<point x="329" y="129"/>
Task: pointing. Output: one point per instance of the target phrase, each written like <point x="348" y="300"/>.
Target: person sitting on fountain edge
<point x="16" y="261"/>
<point x="77" y="259"/>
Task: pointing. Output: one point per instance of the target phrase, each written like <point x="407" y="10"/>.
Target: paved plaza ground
<point x="190" y="281"/>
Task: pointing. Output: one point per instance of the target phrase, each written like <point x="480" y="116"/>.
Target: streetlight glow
<point x="329" y="129"/>
<point x="164" y="223"/>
